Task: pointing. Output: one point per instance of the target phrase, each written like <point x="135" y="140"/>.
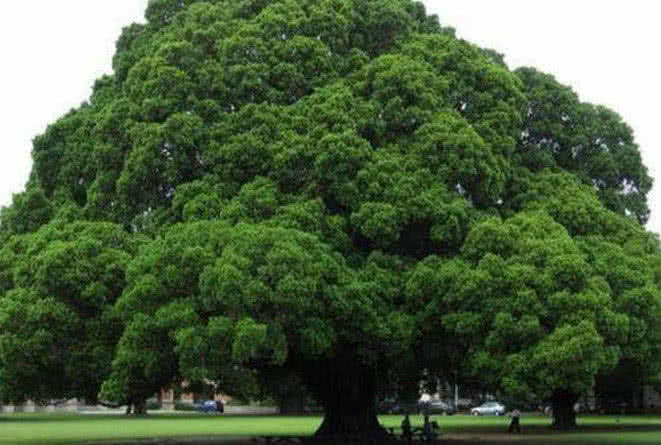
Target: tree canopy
<point x="341" y="191"/>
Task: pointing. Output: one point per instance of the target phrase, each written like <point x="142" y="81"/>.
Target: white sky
<point x="606" y="50"/>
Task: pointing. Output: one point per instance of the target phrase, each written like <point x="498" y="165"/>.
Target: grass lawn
<point x="66" y="429"/>
<point x="63" y="429"/>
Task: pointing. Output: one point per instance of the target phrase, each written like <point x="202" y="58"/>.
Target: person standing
<point x="407" y="433"/>
<point x="430" y="430"/>
<point x="426" y="428"/>
<point x="515" y="424"/>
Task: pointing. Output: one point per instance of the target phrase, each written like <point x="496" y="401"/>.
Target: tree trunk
<point x="140" y="407"/>
<point x="357" y="423"/>
<point x="564" y="416"/>
<point x="292" y="403"/>
<point x="137" y="406"/>
<point x="347" y="391"/>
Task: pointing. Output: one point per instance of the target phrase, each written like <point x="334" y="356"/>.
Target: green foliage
<point x="590" y="141"/>
<point x="29" y="211"/>
<point x="184" y="406"/>
<point x="58" y="325"/>
<point x="331" y="191"/>
<point x="550" y="312"/>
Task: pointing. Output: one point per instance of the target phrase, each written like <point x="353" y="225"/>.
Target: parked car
<point x="489" y="408"/>
<point x="208" y="406"/>
<point x="436" y="407"/>
<point x="388" y="406"/>
<point x="394" y="406"/>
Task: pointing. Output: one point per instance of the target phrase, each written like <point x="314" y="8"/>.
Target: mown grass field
<point x="41" y="429"/>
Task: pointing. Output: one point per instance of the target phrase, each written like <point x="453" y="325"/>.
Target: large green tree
<point x="343" y="192"/>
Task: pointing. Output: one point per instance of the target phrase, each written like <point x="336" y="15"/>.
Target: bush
<point x="184" y="406"/>
<point x="153" y="405"/>
<point x="269" y="401"/>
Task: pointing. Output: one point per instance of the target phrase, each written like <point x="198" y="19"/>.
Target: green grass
<point x="69" y="429"/>
<point x="76" y="429"/>
<point x="593" y="430"/>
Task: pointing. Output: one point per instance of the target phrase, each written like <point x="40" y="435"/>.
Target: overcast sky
<point x="606" y="50"/>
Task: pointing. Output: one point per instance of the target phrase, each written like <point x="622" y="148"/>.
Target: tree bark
<point x="292" y="403"/>
<point x="564" y="416"/>
<point x="137" y="406"/>
<point x="140" y="407"/>
<point x="347" y="391"/>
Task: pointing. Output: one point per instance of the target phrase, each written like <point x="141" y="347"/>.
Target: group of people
<point x="431" y="429"/>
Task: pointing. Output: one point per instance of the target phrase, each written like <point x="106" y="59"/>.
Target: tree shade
<point x="339" y="191"/>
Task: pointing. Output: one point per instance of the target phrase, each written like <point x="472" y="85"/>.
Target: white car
<point x="489" y="408"/>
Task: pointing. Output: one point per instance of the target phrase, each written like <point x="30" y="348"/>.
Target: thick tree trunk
<point x="347" y="391"/>
<point x="292" y="403"/>
<point x="140" y="407"/>
<point x="345" y="417"/>
<point x="137" y="406"/>
<point x="564" y="416"/>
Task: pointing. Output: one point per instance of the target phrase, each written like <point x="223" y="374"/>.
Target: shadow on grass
<point x="84" y="417"/>
<point x="481" y="435"/>
<point x="631" y="434"/>
<point x="547" y="430"/>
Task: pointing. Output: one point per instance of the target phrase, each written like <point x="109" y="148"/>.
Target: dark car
<point x="437" y="407"/>
<point x="394" y="406"/>
<point x="208" y="406"/>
